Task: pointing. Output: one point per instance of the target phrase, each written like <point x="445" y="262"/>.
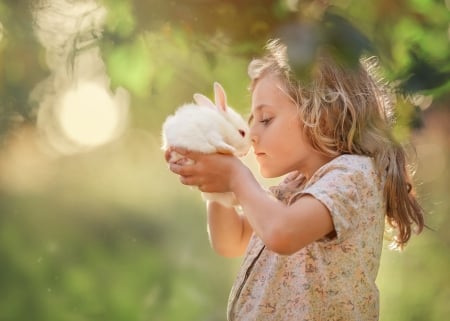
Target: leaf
<point x="424" y="75"/>
<point x="346" y="41"/>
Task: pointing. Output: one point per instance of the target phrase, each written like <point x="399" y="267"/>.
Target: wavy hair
<point x="348" y="110"/>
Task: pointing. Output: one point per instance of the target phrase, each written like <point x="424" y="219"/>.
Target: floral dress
<point x="332" y="279"/>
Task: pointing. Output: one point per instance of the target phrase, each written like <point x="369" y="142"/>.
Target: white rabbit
<point x="207" y="127"/>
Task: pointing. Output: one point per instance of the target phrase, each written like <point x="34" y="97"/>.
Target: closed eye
<point x="265" y="121"/>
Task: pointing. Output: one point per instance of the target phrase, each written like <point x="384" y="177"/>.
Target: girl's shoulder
<point x="348" y="167"/>
<point x="351" y="162"/>
<point x="353" y="158"/>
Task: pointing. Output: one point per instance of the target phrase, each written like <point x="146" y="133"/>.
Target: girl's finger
<point x="175" y="168"/>
<point x="187" y="153"/>
<point x="167" y="154"/>
<point x="182" y="170"/>
<point x="188" y="180"/>
<point x="179" y="150"/>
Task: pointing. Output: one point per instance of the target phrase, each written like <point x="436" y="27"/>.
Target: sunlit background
<point x="92" y="224"/>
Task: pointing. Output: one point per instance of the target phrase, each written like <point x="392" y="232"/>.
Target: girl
<point x="312" y="244"/>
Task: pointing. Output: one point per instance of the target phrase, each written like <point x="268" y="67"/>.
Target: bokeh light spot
<point x="89" y="115"/>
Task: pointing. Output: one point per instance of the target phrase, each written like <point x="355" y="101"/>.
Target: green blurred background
<point x="92" y="224"/>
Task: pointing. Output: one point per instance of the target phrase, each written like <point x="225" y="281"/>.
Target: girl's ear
<point x="203" y="101"/>
<point x="220" y="96"/>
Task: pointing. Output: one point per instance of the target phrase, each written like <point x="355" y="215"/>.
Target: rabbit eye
<point x="242" y="132"/>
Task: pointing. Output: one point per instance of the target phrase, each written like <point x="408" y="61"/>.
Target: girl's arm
<point x="283" y="229"/>
<point x="228" y="231"/>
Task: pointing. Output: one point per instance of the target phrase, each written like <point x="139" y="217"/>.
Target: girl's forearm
<point x="262" y="211"/>
<point x="228" y="231"/>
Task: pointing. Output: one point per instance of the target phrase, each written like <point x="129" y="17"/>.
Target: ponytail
<point x="402" y="209"/>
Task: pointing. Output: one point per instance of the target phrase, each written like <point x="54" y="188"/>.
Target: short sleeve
<point x="341" y="188"/>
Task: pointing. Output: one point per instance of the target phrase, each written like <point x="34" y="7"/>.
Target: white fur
<point x="207" y="127"/>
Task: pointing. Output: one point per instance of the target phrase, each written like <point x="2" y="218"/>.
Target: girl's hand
<point x="211" y="173"/>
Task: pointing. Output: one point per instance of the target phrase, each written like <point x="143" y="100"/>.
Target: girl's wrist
<point x="239" y="177"/>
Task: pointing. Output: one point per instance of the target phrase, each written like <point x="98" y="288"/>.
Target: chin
<point x="269" y="174"/>
<point x="275" y="171"/>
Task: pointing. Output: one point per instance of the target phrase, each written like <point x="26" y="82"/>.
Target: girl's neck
<point x="319" y="161"/>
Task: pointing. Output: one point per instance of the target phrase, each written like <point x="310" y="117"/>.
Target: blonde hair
<point x="349" y="111"/>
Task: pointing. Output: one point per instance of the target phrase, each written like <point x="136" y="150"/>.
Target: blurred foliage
<point x="109" y="233"/>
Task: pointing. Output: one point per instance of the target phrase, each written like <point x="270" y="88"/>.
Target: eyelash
<point x="266" y="121"/>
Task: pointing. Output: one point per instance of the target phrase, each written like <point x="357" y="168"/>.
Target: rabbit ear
<point x="203" y="100"/>
<point x="220" y="96"/>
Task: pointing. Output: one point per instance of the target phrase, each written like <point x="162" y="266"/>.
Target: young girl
<point x="312" y="244"/>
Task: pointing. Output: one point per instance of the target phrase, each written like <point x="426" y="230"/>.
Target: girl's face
<point x="278" y="142"/>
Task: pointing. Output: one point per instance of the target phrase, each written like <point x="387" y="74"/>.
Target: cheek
<point x="290" y="136"/>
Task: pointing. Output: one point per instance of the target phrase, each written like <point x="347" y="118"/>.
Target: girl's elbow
<point x="281" y="243"/>
<point x="280" y="248"/>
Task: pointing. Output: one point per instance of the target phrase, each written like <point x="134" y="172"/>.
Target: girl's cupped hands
<point x="211" y="173"/>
